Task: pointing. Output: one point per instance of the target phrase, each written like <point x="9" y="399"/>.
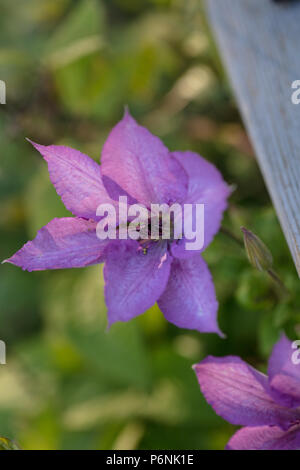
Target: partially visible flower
<point x="136" y="164"/>
<point x="269" y="406"/>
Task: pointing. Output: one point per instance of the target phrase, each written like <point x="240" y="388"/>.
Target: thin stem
<point x="275" y="278"/>
<point x="232" y="236"/>
<point x="278" y="281"/>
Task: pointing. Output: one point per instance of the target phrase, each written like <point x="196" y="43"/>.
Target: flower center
<point x="159" y="229"/>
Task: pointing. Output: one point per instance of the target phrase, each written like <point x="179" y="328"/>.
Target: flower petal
<point x="237" y="392"/>
<point x="134" y="281"/>
<point x="63" y="243"/>
<point x="76" y="178"/>
<point x="265" y="438"/>
<point x="140" y="164"/>
<point x="284" y="375"/>
<point x="206" y="186"/>
<point x="189" y="300"/>
<point x="115" y="191"/>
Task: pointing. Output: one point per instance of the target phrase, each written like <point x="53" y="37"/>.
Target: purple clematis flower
<point x="269" y="406"/>
<point x="136" y="164"/>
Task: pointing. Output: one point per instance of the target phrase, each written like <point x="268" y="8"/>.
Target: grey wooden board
<point x="259" y="42"/>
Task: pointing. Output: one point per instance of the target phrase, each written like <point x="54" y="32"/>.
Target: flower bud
<point x="258" y="254"/>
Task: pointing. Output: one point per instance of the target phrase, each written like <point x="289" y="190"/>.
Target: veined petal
<point x="134" y="281"/>
<point x="265" y="438"/>
<point x="237" y="392"/>
<point x="63" y="243"/>
<point x="115" y="191"/>
<point x="206" y="186"/>
<point x="189" y="300"/>
<point x="284" y="375"/>
<point x="140" y="164"/>
<point x="76" y="178"/>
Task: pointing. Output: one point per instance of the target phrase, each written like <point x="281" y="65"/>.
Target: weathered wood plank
<point x="259" y="41"/>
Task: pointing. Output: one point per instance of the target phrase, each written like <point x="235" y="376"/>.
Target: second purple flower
<point x="267" y="406"/>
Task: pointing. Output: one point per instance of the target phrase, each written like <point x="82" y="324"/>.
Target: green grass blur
<point x="70" y="67"/>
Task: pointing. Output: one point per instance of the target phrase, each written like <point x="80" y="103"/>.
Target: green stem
<point x="275" y="278"/>
<point x="232" y="236"/>
<point x="279" y="282"/>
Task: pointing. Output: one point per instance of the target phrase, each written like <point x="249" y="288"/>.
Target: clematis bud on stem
<point x="260" y="256"/>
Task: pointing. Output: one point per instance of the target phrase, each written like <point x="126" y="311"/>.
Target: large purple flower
<point x="136" y="164"/>
<point x="269" y="406"/>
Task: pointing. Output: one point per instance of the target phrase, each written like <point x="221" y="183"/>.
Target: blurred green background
<point x="70" y="67"/>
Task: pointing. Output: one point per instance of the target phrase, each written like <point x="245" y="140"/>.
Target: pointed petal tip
<point x="110" y="322"/>
<point x="9" y="261"/>
<point x="31" y="141"/>
<point x="127" y="117"/>
<point x="12" y="260"/>
<point x="214" y="330"/>
<point x="283" y="336"/>
<point x="231" y="188"/>
<point x="203" y="361"/>
<point x="126" y="110"/>
<point x="35" y="144"/>
<point x="221" y="334"/>
<point x="194" y="367"/>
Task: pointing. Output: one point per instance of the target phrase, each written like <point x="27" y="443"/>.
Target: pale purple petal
<point x="265" y="438"/>
<point x="284" y="375"/>
<point x="140" y="164"/>
<point x="189" y="300"/>
<point x="115" y="191"/>
<point x="63" y="243"/>
<point x="237" y="392"/>
<point x="76" y="178"/>
<point x="134" y="280"/>
<point x="206" y="186"/>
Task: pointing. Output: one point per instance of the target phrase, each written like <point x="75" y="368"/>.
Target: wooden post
<point x="2" y="92"/>
<point x="259" y="42"/>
